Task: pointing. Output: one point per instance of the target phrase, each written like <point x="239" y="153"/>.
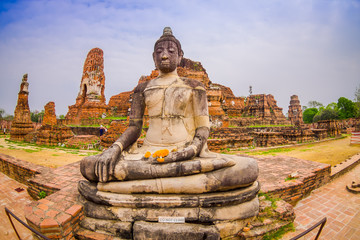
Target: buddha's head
<point x="167" y="52"/>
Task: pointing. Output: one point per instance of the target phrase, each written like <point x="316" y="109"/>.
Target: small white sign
<point x="172" y="219"/>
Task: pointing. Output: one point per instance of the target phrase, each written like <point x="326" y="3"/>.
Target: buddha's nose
<point x="164" y="57"/>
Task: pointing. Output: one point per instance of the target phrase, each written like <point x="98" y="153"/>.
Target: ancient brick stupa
<point x="264" y="107"/>
<point x="50" y="133"/>
<point x="90" y="101"/>
<point x="295" y="112"/>
<point x="22" y="124"/>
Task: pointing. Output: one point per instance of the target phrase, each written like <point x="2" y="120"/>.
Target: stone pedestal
<point x="206" y="216"/>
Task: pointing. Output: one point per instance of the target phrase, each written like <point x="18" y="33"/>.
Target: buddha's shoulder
<point x="193" y="83"/>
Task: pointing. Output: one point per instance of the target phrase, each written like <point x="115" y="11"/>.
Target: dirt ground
<point x="50" y="157"/>
<point x="331" y="152"/>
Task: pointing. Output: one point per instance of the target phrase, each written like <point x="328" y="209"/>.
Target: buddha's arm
<point x="133" y="132"/>
<point x="105" y="162"/>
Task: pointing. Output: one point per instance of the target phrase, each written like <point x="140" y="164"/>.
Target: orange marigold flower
<point x="161" y="153"/>
<point x="160" y="159"/>
<point x="147" y="154"/>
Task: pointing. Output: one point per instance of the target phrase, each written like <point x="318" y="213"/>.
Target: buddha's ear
<point x="180" y="57"/>
<point x="154" y="59"/>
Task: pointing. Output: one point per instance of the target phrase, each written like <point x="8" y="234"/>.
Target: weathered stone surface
<point x="112" y="227"/>
<point x="53" y="135"/>
<point x="332" y="127"/>
<point x="185" y="231"/>
<point x="120" y="104"/>
<point x="264" y="107"/>
<point x="115" y="130"/>
<point x="49" y="115"/>
<point x="242" y="174"/>
<point x="22" y="124"/>
<point x="50" y="133"/>
<point x="198" y="214"/>
<point x="90" y="101"/>
<point x="295" y="111"/>
<point x="90" y="192"/>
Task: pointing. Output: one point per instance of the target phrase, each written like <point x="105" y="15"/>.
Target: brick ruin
<point x="22" y="124"/>
<point x="50" y="132"/>
<point x="90" y="102"/>
<point x="233" y="119"/>
<point x="49" y="114"/>
<point x="264" y="107"/>
<point x="295" y="111"/>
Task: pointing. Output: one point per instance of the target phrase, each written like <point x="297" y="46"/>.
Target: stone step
<point x="84" y="234"/>
<point x="113" y="228"/>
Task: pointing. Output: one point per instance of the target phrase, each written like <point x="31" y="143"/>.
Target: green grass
<point x="259" y="126"/>
<point x="289" y="178"/>
<point x="305" y="150"/>
<point x="272" y="151"/>
<point x="116" y="118"/>
<point x="280" y="232"/>
<point x="55" y="155"/>
<point x="31" y="150"/>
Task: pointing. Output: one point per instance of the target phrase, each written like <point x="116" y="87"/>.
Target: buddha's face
<point x="166" y="56"/>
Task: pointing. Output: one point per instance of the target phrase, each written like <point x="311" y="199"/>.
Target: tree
<point x="332" y="106"/>
<point x="357" y="94"/>
<point x="2" y="113"/>
<point x="37" y="116"/>
<point x="315" y="104"/>
<point x="326" y="114"/>
<point x="346" y="108"/>
<point x="357" y="101"/>
<point x="308" y="114"/>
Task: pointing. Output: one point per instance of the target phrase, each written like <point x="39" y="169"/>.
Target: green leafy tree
<point x="346" y="108"/>
<point x="357" y="101"/>
<point x="2" y="113"/>
<point x="308" y="114"/>
<point x="315" y="104"/>
<point x="37" y="116"/>
<point x="357" y="94"/>
<point x="326" y="114"/>
<point x="332" y="106"/>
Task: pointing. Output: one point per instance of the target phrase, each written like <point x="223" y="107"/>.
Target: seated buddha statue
<point x="174" y="157"/>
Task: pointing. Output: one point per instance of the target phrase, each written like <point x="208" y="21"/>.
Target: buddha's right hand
<point x="105" y="163"/>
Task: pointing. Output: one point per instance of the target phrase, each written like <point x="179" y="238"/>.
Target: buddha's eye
<point x="159" y="50"/>
<point x="172" y="50"/>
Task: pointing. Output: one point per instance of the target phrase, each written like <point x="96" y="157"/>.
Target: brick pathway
<point x="15" y="202"/>
<point x="333" y="201"/>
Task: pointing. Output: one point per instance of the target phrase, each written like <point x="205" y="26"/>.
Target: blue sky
<point x="279" y="47"/>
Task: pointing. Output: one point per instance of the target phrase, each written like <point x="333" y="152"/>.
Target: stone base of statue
<point x="176" y="212"/>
